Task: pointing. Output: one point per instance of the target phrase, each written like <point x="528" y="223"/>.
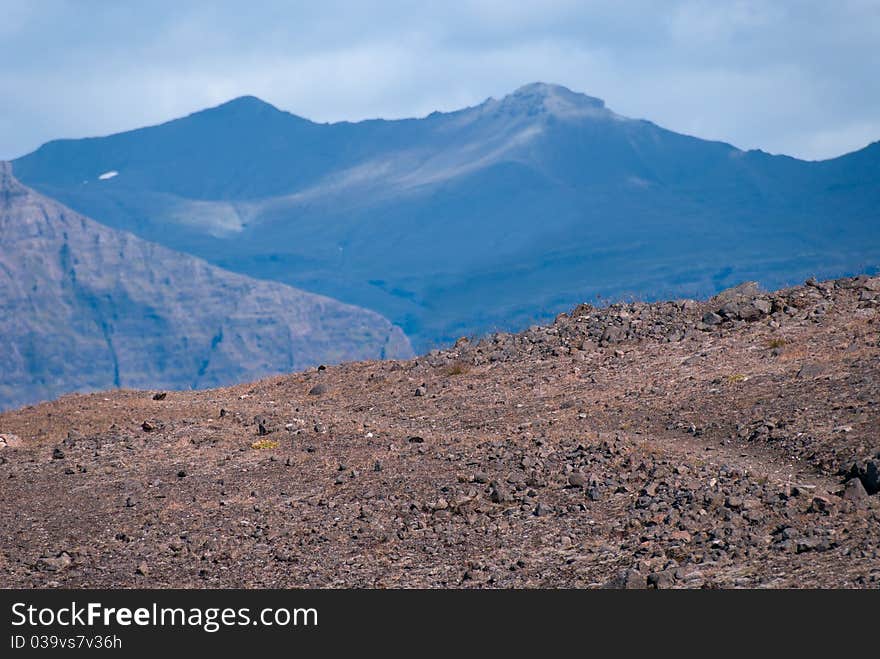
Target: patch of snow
<point x="108" y="175"/>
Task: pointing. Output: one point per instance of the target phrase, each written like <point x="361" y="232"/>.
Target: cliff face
<point x="86" y="307"/>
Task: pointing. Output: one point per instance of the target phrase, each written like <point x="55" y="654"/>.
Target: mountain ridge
<point x="255" y="103"/>
<point x="494" y="216"/>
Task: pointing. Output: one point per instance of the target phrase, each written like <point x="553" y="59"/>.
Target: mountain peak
<point x="247" y="101"/>
<point x="547" y="91"/>
<point x="243" y="105"/>
<point x="545" y="98"/>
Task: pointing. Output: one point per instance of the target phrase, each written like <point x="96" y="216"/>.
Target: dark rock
<point x="854" y="491"/>
<point x="500" y="493"/>
<point x="415" y="439"/>
<point x="542" y="509"/>
<point x="663" y="579"/>
<point x="318" y="389"/>
<point x="627" y="580"/>
<point x="57" y="454"/>
<point x="160" y="396"/>
<point x="577" y="479"/>
<point x="421" y="391"/>
<point x="763" y="306"/>
<point x="820" y="505"/>
<point x="748" y="289"/>
<point x="872" y="284"/>
<point x="871" y="478"/>
<point x="613" y="334"/>
<point x="73" y="436"/>
<point x="810" y="371"/>
<point x="868" y="474"/>
<point x="712" y="318"/>
<point x="748" y="311"/>
<point x="805" y="545"/>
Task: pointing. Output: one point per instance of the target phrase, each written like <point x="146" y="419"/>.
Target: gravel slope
<point x="726" y="443"/>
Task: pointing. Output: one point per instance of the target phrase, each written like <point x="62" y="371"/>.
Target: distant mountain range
<point x="85" y="307"/>
<point x="493" y="216"/>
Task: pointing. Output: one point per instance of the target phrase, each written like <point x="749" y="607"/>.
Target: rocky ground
<point x="728" y="443"/>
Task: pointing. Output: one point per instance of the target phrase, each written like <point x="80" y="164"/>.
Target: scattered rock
<point x="663" y="579"/>
<point x="577" y="479"/>
<point x="627" y="580"/>
<point x="542" y="509"/>
<point x="748" y="289"/>
<point x="513" y="490"/>
<point x="810" y="371"/>
<point x="318" y="389"/>
<point x="57" y="563"/>
<point x="499" y="493"/>
<point x="868" y="474"/>
<point x="854" y="491"/>
<point x="8" y="440"/>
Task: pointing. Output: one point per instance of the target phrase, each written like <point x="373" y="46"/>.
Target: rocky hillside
<point x="726" y="443"/>
<point x="85" y="307"/>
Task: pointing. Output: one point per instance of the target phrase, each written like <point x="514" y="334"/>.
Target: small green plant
<point x="776" y="343"/>
<point x="264" y="444"/>
<point x="736" y="378"/>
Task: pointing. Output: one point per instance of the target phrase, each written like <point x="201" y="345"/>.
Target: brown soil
<point x="630" y="446"/>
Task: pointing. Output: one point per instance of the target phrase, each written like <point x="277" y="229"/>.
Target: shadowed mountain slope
<point x="87" y="307"/>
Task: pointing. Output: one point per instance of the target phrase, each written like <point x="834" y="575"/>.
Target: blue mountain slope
<point x="489" y="217"/>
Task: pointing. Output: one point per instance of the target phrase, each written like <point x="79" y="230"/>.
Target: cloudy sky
<point x="795" y="77"/>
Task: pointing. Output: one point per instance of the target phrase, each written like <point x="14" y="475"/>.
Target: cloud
<point x="788" y="77"/>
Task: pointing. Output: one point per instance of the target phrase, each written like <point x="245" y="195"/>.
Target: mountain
<point x="490" y="217"/>
<point x="87" y="307"/>
<point x="632" y="445"/>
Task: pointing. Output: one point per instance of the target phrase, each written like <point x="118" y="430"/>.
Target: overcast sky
<point x="797" y="77"/>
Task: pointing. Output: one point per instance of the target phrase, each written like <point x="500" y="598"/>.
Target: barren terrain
<point x="728" y="443"/>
